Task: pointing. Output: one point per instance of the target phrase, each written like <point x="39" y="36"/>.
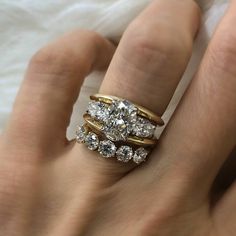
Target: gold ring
<point x="108" y="149"/>
<point x="118" y="128"/>
<point x="142" y="111"/>
<point x="97" y="128"/>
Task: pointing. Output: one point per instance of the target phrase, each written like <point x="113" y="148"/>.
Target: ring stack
<point x="118" y="128"/>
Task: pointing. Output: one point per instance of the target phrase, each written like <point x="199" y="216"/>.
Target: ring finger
<point x="150" y="60"/>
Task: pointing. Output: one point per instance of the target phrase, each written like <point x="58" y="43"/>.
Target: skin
<point x="50" y="186"/>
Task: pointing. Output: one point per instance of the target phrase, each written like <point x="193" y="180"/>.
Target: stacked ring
<point x="117" y="127"/>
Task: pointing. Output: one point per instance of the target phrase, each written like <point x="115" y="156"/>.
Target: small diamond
<point x="124" y="154"/>
<point x="107" y="148"/>
<point x="140" y="155"/>
<point x="80" y="134"/>
<point x="98" y="110"/>
<point x="143" y="128"/>
<point x="92" y="141"/>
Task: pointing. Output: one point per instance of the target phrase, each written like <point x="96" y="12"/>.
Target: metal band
<point x="142" y="111"/>
<point x="97" y="128"/>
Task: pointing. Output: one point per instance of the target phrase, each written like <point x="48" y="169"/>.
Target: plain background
<point x="27" y="25"/>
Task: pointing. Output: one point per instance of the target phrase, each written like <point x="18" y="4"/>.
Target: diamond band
<point x="109" y="149"/>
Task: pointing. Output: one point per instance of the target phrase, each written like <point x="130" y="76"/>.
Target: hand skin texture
<point x="50" y="186"/>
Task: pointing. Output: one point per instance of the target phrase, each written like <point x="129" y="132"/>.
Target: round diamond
<point x="124" y="154"/>
<point x="92" y="141"/>
<point x="81" y="133"/>
<point x="98" y="110"/>
<point x="107" y="148"/>
<point x="143" y="128"/>
<point x="140" y="155"/>
<point x="122" y="117"/>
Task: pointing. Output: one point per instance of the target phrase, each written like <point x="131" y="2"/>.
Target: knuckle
<point x="63" y="57"/>
<point x="223" y="53"/>
<point x="50" y="62"/>
<point x="51" y="66"/>
<point x="45" y="55"/>
<point x="142" y="40"/>
<point x="88" y="35"/>
<point x="51" y="59"/>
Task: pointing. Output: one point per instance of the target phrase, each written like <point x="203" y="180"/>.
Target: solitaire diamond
<point x="107" y="149"/>
<point x="98" y="110"/>
<point x="124" y="154"/>
<point x="122" y="117"/>
<point x="140" y="155"/>
<point x="143" y="128"/>
<point x="81" y="134"/>
<point x="92" y="141"/>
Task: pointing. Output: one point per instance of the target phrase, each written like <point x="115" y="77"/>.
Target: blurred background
<point x="26" y="25"/>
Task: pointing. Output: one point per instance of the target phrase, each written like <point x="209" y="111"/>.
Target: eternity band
<point x="108" y="149"/>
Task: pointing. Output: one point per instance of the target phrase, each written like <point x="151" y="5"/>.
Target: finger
<point x="149" y="61"/>
<point x="55" y="74"/>
<point x="203" y="132"/>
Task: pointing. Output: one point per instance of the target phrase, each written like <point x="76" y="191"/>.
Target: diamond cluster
<point x="120" y="119"/>
<point x="108" y="149"/>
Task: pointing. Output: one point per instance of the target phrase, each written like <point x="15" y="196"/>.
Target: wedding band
<point x="108" y="149"/>
<point x="97" y="128"/>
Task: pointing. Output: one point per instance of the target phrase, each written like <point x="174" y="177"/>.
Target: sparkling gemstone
<point x="92" y="141"/>
<point x="124" y="154"/>
<point x="107" y="148"/>
<point x="122" y="117"/>
<point x="144" y="128"/>
<point x="140" y="155"/>
<point x="98" y="110"/>
<point x="81" y="134"/>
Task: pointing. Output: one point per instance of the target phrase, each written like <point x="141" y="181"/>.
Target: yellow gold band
<point x="97" y="128"/>
<point x="142" y="111"/>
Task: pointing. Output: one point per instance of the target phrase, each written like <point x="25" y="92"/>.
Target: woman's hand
<point x="49" y="186"/>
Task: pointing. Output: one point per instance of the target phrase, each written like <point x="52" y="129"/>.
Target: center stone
<point x="119" y="125"/>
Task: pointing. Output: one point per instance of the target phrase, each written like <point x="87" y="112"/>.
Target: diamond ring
<point x="98" y="128"/>
<point x="142" y="111"/>
<point x="118" y="128"/>
<point x="119" y="119"/>
<point x="108" y="149"/>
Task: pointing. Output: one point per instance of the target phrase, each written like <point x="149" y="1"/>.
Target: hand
<point x="50" y="186"/>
